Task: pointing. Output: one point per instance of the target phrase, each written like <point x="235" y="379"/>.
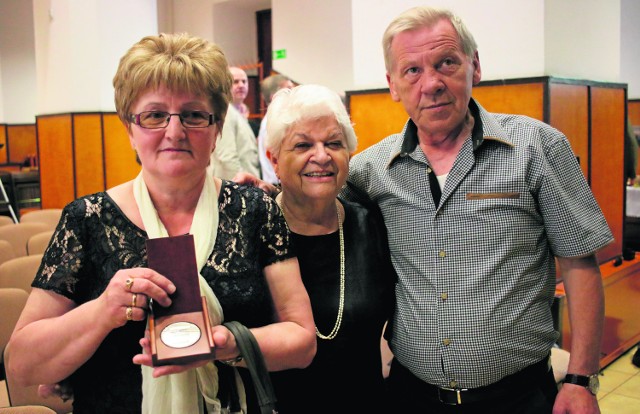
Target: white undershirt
<point x="442" y="179"/>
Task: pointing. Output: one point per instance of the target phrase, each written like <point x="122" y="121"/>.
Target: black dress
<point x="94" y="239"/>
<point x="346" y="373"/>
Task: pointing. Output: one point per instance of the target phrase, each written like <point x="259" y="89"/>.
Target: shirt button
<point x="453" y="384"/>
<point x="444" y="296"/>
<point x="429" y="170"/>
<point x="441" y="253"/>
<point x="446" y="342"/>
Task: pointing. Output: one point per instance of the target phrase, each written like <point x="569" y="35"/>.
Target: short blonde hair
<point x="179" y="62"/>
<point x="290" y="106"/>
<point x="424" y="16"/>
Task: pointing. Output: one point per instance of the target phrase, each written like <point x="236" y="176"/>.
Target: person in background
<point x="236" y="150"/>
<point x="240" y="90"/>
<point x="630" y="154"/>
<point x="87" y="310"/>
<point x="343" y="254"/>
<point x="479" y="208"/>
<point x="268" y="87"/>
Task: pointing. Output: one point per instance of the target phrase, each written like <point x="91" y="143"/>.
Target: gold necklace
<point x="336" y="327"/>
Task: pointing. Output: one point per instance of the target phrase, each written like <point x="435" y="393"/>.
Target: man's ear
<point x="477" y="71"/>
<point x="392" y="89"/>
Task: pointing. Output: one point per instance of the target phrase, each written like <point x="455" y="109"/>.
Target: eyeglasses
<point x="160" y="119"/>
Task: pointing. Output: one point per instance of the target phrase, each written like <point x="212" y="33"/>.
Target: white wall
<point x="318" y="41"/>
<point x="18" y="71"/>
<point x="78" y="49"/>
<point x="582" y="39"/>
<point x="60" y="55"/>
<point x="507" y="47"/>
<point x="630" y="47"/>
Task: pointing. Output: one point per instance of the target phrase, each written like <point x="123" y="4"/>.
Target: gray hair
<point x="421" y="17"/>
<point x="290" y="106"/>
<point x="270" y="86"/>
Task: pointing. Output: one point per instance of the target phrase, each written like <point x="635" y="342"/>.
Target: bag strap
<point x="254" y="359"/>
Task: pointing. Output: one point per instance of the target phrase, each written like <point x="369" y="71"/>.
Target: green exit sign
<point x="279" y="54"/>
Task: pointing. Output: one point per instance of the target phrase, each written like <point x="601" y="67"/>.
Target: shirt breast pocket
<point x="489" y="196"/>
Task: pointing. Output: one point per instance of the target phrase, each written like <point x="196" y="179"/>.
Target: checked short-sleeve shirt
<point x="477" y="272"/>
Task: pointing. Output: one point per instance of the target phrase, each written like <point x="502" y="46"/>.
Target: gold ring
<point x="129" y="313"/>
<point x="133" y="300"/>
<point x="128" y="284"/>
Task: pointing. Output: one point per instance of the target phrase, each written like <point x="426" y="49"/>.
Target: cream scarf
<point x="183" y="392"/>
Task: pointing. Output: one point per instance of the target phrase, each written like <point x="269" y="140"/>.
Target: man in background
<point x="240" y="90"/>
<point x="236" y="149"/>
<point x="268" y="87"/>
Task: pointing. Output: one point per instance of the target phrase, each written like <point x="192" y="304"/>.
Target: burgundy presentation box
<point x="181" y="332"/>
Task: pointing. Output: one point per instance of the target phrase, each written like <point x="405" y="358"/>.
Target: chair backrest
<point x="38" y="243"/>
<point x="12" y="302"/>
<point x="48" y="216"/>
<point x="19" y="272"/>
<point x="24" y="396"/>
<point x="4" y="220"/>
<point x="18" y="234"/>
<point x="6" y="251"/>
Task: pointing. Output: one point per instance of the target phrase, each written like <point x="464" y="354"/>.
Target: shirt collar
<point x="485" y="128"/>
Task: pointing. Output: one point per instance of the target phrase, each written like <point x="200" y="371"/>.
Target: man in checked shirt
<point x="479" y="206"/>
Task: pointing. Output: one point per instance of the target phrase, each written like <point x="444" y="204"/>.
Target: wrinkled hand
<point x="574" y="399"/>
<point x="62" y="389"/>
<point x="248" y="179"/>
<point x="224" y="344"/>
<point x="128" y="293"/>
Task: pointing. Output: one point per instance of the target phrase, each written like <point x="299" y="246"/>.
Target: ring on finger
<point x="129" y="313"/>
<point x="128" y="284"/>
<point x="133" y="300"/>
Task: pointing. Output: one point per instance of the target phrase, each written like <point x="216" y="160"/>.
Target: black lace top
<point x="94" y="239"/>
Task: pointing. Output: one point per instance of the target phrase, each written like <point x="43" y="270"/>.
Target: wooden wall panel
<point x="88" y="154"/>
<point x="570" y="114"/>
<point x="607" y="161"/>
<point x="55" y="149"/>
<point x="3" y="142"/>
<point x="524" y="98"/>
<point x="375" y="116"/>
<point x="634" y="111"/>
<point x="120" y="159"/>
<point x="633" y="108"/>
<point x="21" y="142"/>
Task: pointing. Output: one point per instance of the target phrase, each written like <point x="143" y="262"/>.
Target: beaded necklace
<point x="336" y="327"/>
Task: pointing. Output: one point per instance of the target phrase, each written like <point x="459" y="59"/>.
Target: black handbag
<point x="254" y="360"/>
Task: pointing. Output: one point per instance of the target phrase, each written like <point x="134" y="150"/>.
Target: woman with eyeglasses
<point x="86" y="315"/>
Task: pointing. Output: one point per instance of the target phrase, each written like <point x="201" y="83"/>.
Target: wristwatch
<point x="590" y="382"/>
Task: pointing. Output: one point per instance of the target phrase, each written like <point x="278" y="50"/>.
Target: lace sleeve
<point x="275" y="234"/>
<point x="93" y="240"/>
<point x="62" y="258"/>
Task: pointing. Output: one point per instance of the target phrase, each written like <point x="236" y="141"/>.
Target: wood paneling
<point x="621" y="325"/>
<point x="570" y="114"/>
<point x="88" y="154"/>
<point x="21" y="142"/>
<point x="375" y="116"/>
<point x="3" y="141"/>
<point x="55" y="149"/>
<point x="120" y="159"/>
<point x="634" y="111"/>
<point x="523" y="98"/>
<point x="607" y="161"/>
